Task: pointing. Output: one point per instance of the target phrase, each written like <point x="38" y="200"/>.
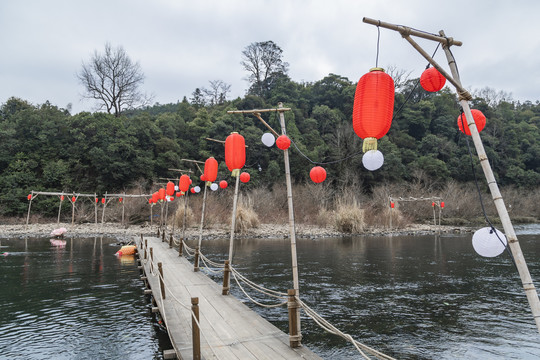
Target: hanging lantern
<point x="235" y="153"/>
<point x="29" y="197"/>
<point x="178" y="193"/>
<point x="155" y="197"/>
<point x="61" y="197"/>
<point x="223" y="184"/>
<point x="283" y="142"/>
<point x="373" y="109"/>
<point x="150" y="201"/>
<point x="73" y="198"/>
<point x="479" y="120"/>
<point x="392" y="205"/>
<point x="268" y="139"/>
<point x="203" y="177"/>
<point x="244" y="177"/>
<point x="442" y="204"/>
<point x="373" y="160"/>
<point x="197" y="189"/>
<point x="103" y="200"/>
<point x="489" y="242"/>
<point x="170" y="188"/>
<point x="184" y="183"/>
<point x="214" y="186"/>
<point x="97" y="200"/>
<point x="433" y="204"/>
<point x="210" y="169"/>
<point x="317" y="174"/>
<point x="120" y="200"/>
<point x="432" y="80"/>
<point x="161" y="194"/>
<point x="192" y="190"/>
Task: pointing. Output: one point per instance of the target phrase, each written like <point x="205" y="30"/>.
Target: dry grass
<point x="246" y="217"/>
<point x="179" y="215"/>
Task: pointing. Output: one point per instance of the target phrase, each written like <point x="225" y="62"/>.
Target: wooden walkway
<point x="229" y="329"/>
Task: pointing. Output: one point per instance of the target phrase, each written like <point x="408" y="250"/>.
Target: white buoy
<point x="373" y="160"/>
<point x="489" y="243"/>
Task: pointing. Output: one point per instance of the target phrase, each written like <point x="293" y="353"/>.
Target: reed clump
<point x="179" y="217"/>
<point x="246" y="217"/>
<point x="349" y="217"/>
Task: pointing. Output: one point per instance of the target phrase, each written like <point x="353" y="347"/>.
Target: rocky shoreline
<point x="270" y="231"/>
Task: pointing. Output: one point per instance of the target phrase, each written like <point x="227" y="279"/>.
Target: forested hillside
<point x="43" y="147"/>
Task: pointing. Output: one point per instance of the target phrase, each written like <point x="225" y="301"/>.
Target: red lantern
<point x="62" y="198"/>
<point x="442" y="205"/>
<point x="97" y="200"/>
<point x="120" y="199"/>
<point x="150" y="201"/>
<point x="433" y="204"/>
<point x="155" y="197"/>
<point x="235" y="152"/>
<point x="29" y="197"/>
<point x="192" y="190"/>
<point x="283" y="142"/>
<point x="203" y="177"/>
<point x="103" y="200"/>
<point x="184" y="183"/>
<point x="479" y="120"/>
<point x="373" y="107"/>
<point x="432" y="80"/>
<point x="170" y="188"/>
<point x="223" y="184"/>
<point x="179" y="193"/>
<point x="73" y="198"/>
<point x="161" y="194"/>
<point x="211" y="169"/>
<point x="317" y="174"/>
<point x="244" y="177"/>
<point x="392" y="205"/>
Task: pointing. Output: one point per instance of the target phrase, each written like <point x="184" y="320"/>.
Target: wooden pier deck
<point x="229" y="329"/>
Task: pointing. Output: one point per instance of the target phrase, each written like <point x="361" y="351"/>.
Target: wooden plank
<point x="229" y="328"/>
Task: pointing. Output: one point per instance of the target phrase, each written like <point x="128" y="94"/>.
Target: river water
<point x="411" y="297"/>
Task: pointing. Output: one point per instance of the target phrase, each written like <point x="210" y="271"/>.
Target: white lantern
<point x="214" y="187"/>
<point x="373" y="160"/>
<point x="489" y="243"/>
<point x="197" y="189"/>
<point x="268" y="139"/>
<point x="176" y="188"/>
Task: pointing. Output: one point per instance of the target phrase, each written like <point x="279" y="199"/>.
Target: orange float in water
<point x="126" y="250"/>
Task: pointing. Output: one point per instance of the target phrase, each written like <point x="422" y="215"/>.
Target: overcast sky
<point x="181" y="45"/>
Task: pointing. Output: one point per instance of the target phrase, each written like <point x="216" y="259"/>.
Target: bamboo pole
<point x="233" y="220"/>
<point x="464" y="96"/>
<point x="95" y="207"/>
<point x="202" y="215"/>
<point x="60" y="208"/>
<point x="73" y="209"/>
<point x="186" y="199"/>
<point x="292" y="231"/>
<point x="29" y="206"/>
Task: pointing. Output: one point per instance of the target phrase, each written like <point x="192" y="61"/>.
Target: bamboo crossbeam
<point x="127" y="196"/>
<point x="180" y="170"/>
<point x="220" y="141"/>
<point x="193" y="161"/>
<point x="406" y="31"/>
<point x="61" y="193"/>
<point x="257" y="111"/>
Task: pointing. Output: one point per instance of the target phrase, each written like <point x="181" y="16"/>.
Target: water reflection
<point x="413" y="297"/>
<point x="73" y="300"/>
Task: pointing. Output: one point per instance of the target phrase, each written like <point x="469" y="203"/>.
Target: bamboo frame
<point x="464" y="97"/>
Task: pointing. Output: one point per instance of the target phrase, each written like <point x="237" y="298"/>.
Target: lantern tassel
<point x="370" y="143"/>
<point x="235" y="173"/>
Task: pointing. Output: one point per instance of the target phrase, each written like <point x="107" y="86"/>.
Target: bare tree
<point x="113" y="79"/>
<point x="217" y="94"/>
<point x="263" y="60"/>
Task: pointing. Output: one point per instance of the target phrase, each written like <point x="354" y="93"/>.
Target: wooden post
<point x="292" y="233"/>
<point x="202" y="214"/>
<point x="60" y="208"/>
<point x="294" y="334"/>
<point x="151" y="260"/>
<point x="195" y="331"/>
<point x="29" y="206"/>
<point x="145" y="248"/>
<point x="196" y="261"/>
<point x="163" y="236"/>
<point x="226" y="277"/>
<point x="181" y="247"/>
<point x="170" y="241"/>
<point x="161" y="283"/>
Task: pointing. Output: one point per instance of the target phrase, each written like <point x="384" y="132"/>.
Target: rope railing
<point x="253" y="300"/>
<point x="262" y="289"/>
<point x="189" y="251"/>
<point x="216" y="269"/>
<point x="325" y="325"/>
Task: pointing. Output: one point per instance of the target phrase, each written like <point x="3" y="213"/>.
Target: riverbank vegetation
<point x="45" y="148"/>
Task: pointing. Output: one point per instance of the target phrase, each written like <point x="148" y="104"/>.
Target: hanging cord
<point x="393" y="117"/>
<point x="493" y="230"/>
<point x="378" y="41"/>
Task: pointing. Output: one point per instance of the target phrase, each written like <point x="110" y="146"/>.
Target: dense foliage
<point x="46" y="148"/>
